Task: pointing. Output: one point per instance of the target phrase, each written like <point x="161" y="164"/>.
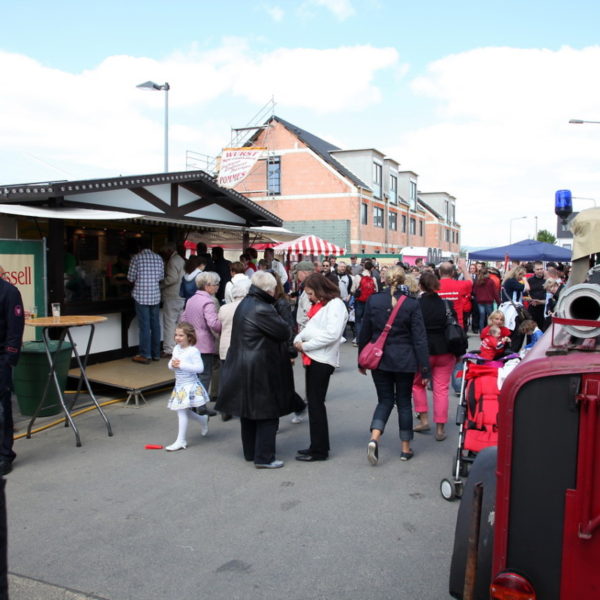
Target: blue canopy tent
<point x="524" y="250"/>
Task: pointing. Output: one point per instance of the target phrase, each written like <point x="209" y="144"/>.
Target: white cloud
<point x="501" y="142"/>
<point x="275" y="12"/>
<point x="341" y="9"/>
<point x="321" y="80"/>
<point x="98" y="122"/>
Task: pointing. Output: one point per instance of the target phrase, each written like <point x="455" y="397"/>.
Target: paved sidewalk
<point x="119" y="522"/>
<point x="26" y="588"/>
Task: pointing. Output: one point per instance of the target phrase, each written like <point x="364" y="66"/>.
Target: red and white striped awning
<point x="309" y="244"/>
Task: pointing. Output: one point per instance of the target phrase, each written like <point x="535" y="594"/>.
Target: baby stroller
<point x="476" y="417"/>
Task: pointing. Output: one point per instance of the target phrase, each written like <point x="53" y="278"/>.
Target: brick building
<point x="359" y="199"/>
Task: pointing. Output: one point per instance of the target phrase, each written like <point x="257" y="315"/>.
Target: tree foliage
<point x="545" y="236"/>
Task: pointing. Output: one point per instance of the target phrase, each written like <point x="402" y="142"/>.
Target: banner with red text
<point x="236" y="164"/>
<point x="24" y="267"/>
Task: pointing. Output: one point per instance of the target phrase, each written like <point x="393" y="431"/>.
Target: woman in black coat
<point x="404" y="354"/>
<point x="257" y="377"/>
<point x="441" y="360"/>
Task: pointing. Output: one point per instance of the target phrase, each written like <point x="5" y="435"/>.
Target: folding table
<point x="65" y="323"/>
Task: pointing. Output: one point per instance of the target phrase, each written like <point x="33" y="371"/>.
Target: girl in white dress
<point x="188" y="392"/>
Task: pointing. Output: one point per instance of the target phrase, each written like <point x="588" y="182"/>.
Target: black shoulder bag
<point x="456" y="338"/>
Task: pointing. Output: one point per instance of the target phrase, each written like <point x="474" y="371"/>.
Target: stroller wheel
<point x="463" y="469"/>
<point x="447" y="490"/>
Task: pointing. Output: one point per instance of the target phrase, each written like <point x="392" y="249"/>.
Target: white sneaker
<point x="204" y="425"/>
<point x="176" y="446"/>
<point x="296" y="418"/>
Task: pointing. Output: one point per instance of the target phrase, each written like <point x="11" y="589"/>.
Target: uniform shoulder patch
<point x="18" y="310"/>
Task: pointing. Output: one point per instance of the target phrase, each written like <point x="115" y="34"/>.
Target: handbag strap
<point x="511" y="300"/>
<point x="383" y="335"/>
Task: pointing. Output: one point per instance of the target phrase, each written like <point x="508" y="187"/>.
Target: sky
<point x="475" y="97"/>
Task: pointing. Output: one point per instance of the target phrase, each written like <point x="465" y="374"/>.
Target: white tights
<point x="183" y="416"/>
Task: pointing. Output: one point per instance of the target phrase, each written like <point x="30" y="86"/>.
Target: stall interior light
<point x="511" y="586"/>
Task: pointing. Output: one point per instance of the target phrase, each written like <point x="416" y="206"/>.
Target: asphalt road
<point x="116" y="521"/>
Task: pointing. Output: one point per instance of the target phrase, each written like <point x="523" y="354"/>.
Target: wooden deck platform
<point x="132" y="377"/>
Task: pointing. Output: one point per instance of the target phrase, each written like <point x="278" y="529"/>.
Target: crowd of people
<point x="232" y="331"/>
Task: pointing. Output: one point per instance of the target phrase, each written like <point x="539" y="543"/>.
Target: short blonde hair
<point x="494" y="315"/>
<point x="412" y="283"/>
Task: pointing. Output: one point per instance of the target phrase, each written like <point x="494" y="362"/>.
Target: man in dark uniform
<point x="12" y="321"/>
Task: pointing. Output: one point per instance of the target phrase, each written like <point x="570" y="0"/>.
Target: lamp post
<point x="581" y="122"/>
<point x="165" y="87"/>
<point x="510" y="227"/>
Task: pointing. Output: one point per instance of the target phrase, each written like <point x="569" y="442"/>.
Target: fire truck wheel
<point x="483" y="470"/>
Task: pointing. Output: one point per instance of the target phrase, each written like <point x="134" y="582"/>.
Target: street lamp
<point x="581" y="122"/>
<point x="150" y="85"/>
<point x="510" y="227"/>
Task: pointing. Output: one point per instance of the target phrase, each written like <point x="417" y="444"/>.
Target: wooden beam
<point x="174" y="196"/>
<point x="151" y="198"/>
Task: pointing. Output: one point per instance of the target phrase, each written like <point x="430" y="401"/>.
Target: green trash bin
<point x="31" y="373"/>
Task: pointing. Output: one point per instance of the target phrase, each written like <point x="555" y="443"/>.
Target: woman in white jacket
<point x="319" y="343"/>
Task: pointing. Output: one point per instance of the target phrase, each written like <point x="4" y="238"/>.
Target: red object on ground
<point x="154" y="447"/>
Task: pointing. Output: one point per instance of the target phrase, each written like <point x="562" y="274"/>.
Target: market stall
<point x="91" y="227"/>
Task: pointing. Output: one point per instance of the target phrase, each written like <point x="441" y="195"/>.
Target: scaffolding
<point x="240" y="136"/>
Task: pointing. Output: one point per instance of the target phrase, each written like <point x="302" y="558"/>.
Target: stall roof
<point x="190" y="196"/>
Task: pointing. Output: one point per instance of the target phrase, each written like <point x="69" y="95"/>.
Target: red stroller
<point x="476" y="416"/>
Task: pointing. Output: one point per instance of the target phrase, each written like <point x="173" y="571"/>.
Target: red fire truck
<point x="528" y="526"/>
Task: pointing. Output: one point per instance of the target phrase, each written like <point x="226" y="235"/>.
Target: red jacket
<point x="459" y="293"/>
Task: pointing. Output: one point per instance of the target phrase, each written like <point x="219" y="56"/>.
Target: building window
<point x="403" y="223"/>
<point x="377" y="169"/>
<point x="413" y="226"/>
<point x="393" y="189"/>
<point x="274" y="175"/>
<point x="447" y="211"/>
<point x="447" y="235"/>
<point x="413" y="195"/>
<point x="421" y="228"/>
<point x="364" y="214"/>
<point x="393" y="221"/>
<point x="378" y="216"/>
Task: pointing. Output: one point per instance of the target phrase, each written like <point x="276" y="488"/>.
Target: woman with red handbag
<point x="404" y="353"/>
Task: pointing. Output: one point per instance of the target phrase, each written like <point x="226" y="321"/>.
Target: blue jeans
<point x="393" y="389"/>
<point x="148" y="316"/>
<point x="485" y="310"/>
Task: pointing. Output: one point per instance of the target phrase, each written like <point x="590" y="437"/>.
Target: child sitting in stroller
<point x="493" y="344"/>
